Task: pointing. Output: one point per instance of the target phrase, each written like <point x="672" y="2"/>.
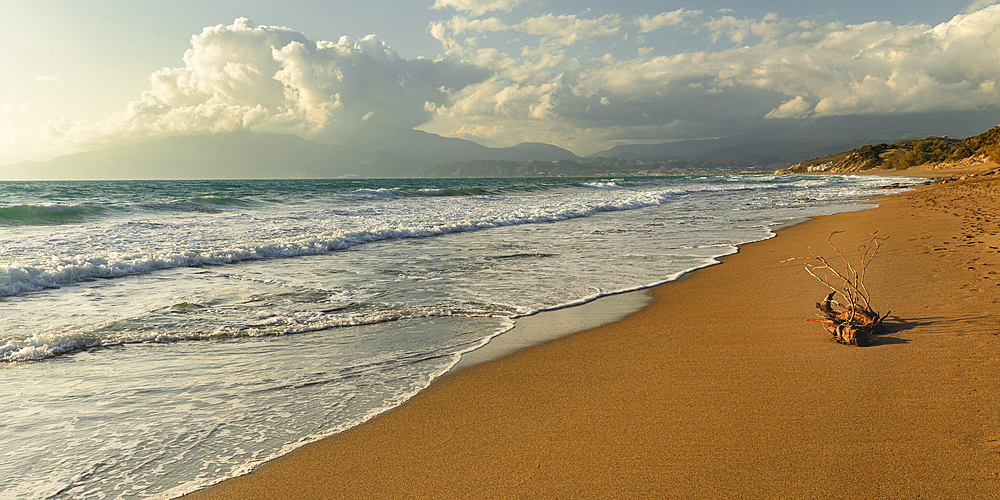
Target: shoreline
<point x="468" y="435"/>
<point x="550" y="324"/>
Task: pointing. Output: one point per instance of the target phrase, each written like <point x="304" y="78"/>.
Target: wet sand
<point x="720" y="388"/>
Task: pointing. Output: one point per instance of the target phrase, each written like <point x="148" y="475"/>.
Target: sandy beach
<point x="720" y="387"/>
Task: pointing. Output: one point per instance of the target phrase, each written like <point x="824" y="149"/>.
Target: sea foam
<point x="211" y="326"/>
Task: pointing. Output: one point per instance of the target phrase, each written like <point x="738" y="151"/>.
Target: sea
<point x="157" y="337"/>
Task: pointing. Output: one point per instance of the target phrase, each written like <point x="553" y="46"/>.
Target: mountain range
<point x="393" y="153"/>
<point x="801" y="140"/>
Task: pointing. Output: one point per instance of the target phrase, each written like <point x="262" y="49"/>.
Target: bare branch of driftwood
<point x="867" y="253"/>
<point x="858" y="321"/>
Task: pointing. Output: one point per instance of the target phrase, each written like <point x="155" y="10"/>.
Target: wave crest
<point x="47" y="214"/>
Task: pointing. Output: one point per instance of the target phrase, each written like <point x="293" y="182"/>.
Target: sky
<point x="584" y="75"/>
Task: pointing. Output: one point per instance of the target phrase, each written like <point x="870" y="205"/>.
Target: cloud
<point x="477" y="7"/>
<point x="674" y="18"/>
<point x="566" y="79"/>
<point x="976" y="5"/>
<point x="740" y="31"/>
<point x="569" y="29"/>
<point x="878" y="68"/>
<point x="563" y="29"/>
<point x="273" y="79"/>
<point x="8" y="106"/>
<point x="779" y="68"/>
<point x="795" y="108"/>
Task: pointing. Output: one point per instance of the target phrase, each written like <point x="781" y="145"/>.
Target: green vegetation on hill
<point x="905" y="154"/>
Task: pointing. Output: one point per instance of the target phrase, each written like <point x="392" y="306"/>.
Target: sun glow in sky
<point x="81" y="75"/>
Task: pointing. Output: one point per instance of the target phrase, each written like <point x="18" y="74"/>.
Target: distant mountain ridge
<point x="693" y="147"/>
<point x="375" y="152"/>
<point x="246" y="155"/>
<point x="781" y="147"/>
<point x="215" y="156"/>
<point x="428" y="150"/>
<point x="583" y="167"/>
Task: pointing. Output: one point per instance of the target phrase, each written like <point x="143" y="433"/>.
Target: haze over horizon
<point x="498" y="72"/>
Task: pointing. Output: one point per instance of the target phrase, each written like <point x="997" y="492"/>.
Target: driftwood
<point x="857" y="322"/>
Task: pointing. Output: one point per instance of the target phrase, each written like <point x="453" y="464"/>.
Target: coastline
<point x="734" y="396"/>
<point x="551" y="324"/>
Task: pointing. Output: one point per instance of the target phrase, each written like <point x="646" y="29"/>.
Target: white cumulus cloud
<point x="8" y="106"/>
<point x="569" y="29"/>
<point x="273" y="79"/>
<point x="477" y="7"/>
<point x="562" y="29"/>
<point x="976" y="5"/>
<point x="779" y="68"/>
<point x="674" y="18"/>
<point x="795" y="108"/>
<point x="568" y="79"/>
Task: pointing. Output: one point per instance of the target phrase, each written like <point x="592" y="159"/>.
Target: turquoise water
<point x="161" y="336"/>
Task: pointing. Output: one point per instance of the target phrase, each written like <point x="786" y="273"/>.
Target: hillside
<point x="905" y="154"/>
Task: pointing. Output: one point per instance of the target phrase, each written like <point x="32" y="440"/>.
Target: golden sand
<point x="720" y="388"/>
